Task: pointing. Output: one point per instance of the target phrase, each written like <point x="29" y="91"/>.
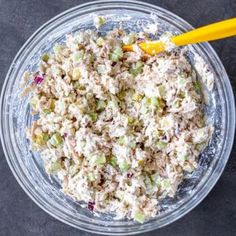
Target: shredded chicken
<point x="120" y="129"/>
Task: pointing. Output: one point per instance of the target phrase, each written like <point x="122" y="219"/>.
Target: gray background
<point x="216" y="215"/>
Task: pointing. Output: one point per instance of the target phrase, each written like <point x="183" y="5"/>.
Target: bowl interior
<point x="28" y="167"/>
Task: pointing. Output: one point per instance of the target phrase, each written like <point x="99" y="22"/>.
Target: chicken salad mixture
<point x="119" y="129"/>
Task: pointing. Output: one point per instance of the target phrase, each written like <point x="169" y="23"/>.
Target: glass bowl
<point x="27" y="166"/>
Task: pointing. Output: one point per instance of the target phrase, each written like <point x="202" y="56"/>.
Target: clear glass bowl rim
<point x="212" y="179"/>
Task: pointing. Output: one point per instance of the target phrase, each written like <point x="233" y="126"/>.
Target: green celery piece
<point x="137" y="68"/>
<point x="45" y="57"/>
<point x="77" y="56"/>
<point x="182" y="81"/>
<point x="130" y="120"/>
<point x="56" y="140"/>
<point x="100" y="160"/>
<point x="113" y="161"/>
<point x="57" y="48"/>
<point x="46" y="137"/>
<point x="33" y="103"/>
<point x="138" y="216"/>
<point x="161" y="145"/>
<point x="55" y="167"/>
<point x="124" y="166"/>
<point x="137" y="97"/>
<point x="46" y="111"/>
<point x="131" y="38"/>
<point x="77" y="84"/>
<point x="162" y="90"/>
<point x="52" y="104"/>
<point x="117" y="54"/>
<point x="197" y="85"/>
<point x="93" y="116"/>
<point x="41" y="139"/>
<point x="155" y="102"/>
<point x="166" y="183"/>
<point x="148" y="102"/>
<point x="101" y="20"/>
<point x="100" y="41"/>
<point x="121" y="140"/>
<point x="101" y="105"/>
<point x="91" y="177"/>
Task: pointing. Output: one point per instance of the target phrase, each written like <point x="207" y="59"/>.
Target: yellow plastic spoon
<point x="219" y="30"/>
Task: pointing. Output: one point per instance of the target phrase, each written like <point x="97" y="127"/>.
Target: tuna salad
<point x="119" y="129"/>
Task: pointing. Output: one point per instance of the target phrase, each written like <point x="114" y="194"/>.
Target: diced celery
<point x="45" y="57"/>
<point x="91" y="177"/>
<point x="130" y="120"/>
<point x="149" y="184"/>
<point x="162" y="90"/>
<point x="124" y="166"/>
<point x="99" y="21"/>
<point x="72" y="95"/>
<point x="56" y="140"/>
<point x="113" y="161"/>
<point x="197" y="85"/>
<point x="148" y="102"/>
<point x="137" y="68"/>
<point x="89" y="96"/>
<point x="114" y="103"/>
<point x="177" y="103"/>
<point x="129" y="39"/>
<point x="166" y="183"/>
<point x="76" y="74"/>
<point x="155" y="101"/>
<point x="138" y="216"/>
<point x="100" y="41"/>
<point x="140" y="162"/>
<point x="121" y="140"/>
<point x="54" y="167"/>
<point x="132" y="144"/>
<point x="57" y="49"/>
<point x="161" y="145"/>
<point x="184" y="157"/>
<point x="51" y="103"/>
<point x="46" y="111"/>
<point x="117" y="54"/>
<point x="46" y="137"/>
<point x="182" y="81"/>
<point x="101" y="105"/>
<point x="102" y="20"/>
<point x="100" y="160"/>
<point x="77" y="56"/>
<point x="77" y="85"/>
<point x="137" y="97"/>
<point x="33" y="103"/>
<point x="79" y="36"/>
<point x="144" y="107"/>
<point x="155" y="178"/>
<point x="93" y="116"/>
<point x="41" y="139"/>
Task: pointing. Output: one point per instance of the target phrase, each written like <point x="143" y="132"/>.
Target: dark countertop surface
<point x="19" y="215"/>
